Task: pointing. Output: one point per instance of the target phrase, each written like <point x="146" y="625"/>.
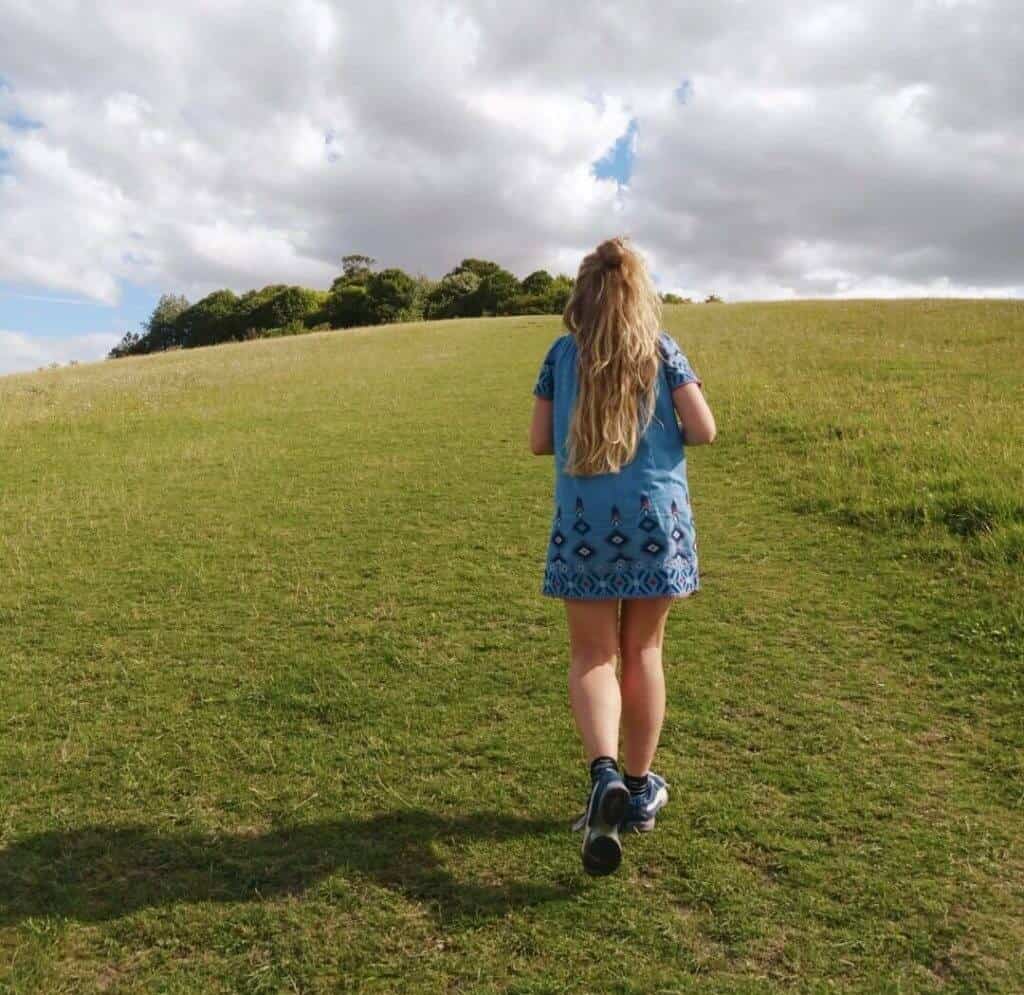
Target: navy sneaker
<point x="606" y="808"/>
<point x="642" y="809"/>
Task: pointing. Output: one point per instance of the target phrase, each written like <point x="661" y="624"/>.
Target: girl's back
<point x="628" y="533"/>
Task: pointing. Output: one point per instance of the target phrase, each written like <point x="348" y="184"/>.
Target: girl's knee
<point x="589" y="656"/>
<point x="640" y="654"/>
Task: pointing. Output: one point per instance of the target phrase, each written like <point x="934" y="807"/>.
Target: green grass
<point x="283" y="708"/>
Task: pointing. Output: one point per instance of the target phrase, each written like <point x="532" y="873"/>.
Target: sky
<point x="753" y="150"/>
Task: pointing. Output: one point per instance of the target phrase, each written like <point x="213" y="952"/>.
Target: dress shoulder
<point x="677" y="367"/>
<point x="544" y="386"/>
<point x="562" y="342"/>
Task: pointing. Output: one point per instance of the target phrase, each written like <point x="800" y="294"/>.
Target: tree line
<point x="361" y="295"/>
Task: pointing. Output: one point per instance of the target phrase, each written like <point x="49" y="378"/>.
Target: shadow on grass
<point x="102" y="872"/>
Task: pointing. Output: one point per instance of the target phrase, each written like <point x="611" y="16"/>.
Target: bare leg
<point x="641" y="634"/>
<point x="593" y="685"/>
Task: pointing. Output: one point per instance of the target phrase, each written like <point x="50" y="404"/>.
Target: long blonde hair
<point x="614" y="314"/>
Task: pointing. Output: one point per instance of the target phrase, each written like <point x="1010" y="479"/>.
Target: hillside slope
<point x="284" y="709"/>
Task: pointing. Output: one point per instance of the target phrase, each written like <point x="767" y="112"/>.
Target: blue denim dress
<point x="628" y="534"/>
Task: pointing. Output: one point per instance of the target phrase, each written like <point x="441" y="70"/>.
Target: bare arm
<point x="542" y="429"/>
<point x="695" y="417"/>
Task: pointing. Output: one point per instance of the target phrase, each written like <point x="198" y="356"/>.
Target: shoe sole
<point x="602" y="849"/>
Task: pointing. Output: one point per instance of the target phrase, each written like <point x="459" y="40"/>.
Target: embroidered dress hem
<point x="648" y="582"/>
<point x="615" y="597"/>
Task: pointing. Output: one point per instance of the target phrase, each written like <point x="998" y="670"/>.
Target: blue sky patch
<point x="19" y="122"/>
<point x="617" y="163"/>
<point x="56" y="315"/>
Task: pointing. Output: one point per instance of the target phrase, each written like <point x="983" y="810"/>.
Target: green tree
<point x="525" y="304"/>
<point x="252" y="302"/>
<point x="558" y="293"/>
<point x="275" y="307"/>
<point x="454" y="296"/>
<point x="348" y="306"/>
<point x="391" y="295"/>
<point x="218" y="317"/>
<point x="356" y="270"/>
<point x="481" y="267"/>
<point x="162" y="330"/>
<point x="424" y="288"/>
<point x="128" y="346"/>
<point x="538" y="282"/>
<point x="495" y="288"/>
<point x="359" y="296"/>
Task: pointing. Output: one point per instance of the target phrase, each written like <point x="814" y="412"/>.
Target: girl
<point x="606" y="401"/>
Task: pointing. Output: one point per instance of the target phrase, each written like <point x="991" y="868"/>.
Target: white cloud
<point x="821" y="149"/>
<point x="20" y="352"/>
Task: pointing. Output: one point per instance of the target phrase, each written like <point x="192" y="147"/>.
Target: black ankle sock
<point x="598" y="764"/>
<point x="636" y="785"/>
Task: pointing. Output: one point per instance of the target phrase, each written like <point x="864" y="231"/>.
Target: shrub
<point x="128" y="346"/>
<point x="274" y="307"/>
<point x="538" y="282"/>
<point x="162" y="328"/>
<point x="495" y="288"/>
<point x="218" y="317"/>
<point x="161" y="331"/>
<point x="391" y="296"/>
<point x="559" y="292"/>
<point x="481" y="267"/>
<point x="526" y="304"/>
<point x="348" y="306"/>
<point x="475" y="287"/>
<point x="453" y="297"/>
<point x="355" y="271"/>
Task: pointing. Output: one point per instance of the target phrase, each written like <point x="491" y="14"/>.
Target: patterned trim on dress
<point x="632" y="580"/>
<point x="649" y="576"/>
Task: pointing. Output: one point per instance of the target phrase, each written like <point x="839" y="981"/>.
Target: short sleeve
<point x="677" y="366"/>
<point x="545" y="385"/>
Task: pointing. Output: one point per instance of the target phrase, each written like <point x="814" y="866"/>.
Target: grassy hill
<point x="283" y="708"/>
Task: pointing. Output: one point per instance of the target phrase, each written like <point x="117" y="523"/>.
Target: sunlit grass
<point x="284" y="710"/>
